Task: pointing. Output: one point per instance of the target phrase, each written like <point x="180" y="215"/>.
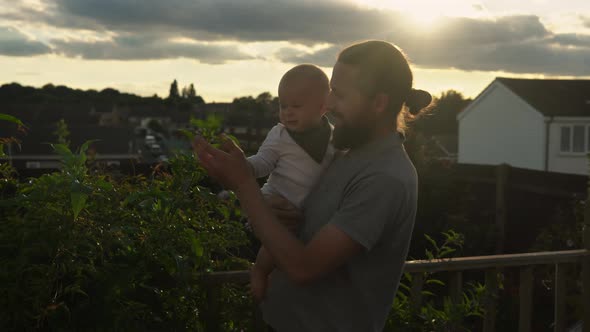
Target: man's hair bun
<point x="418" y="100"/>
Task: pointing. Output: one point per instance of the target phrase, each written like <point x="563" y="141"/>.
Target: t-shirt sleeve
<point x="265" y="160"/>
<point x="368" y="206"/>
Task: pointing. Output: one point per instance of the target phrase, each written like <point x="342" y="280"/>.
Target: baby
<point x="296" y="151"/>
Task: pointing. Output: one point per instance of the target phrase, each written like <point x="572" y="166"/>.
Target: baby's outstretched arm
<point x="265" y="160"/>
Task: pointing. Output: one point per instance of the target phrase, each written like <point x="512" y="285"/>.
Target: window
<point x="565" y="139"/>
<point x="575" y="139"/>
<point x="578" y="139"/>
<point x="33" y="164"/>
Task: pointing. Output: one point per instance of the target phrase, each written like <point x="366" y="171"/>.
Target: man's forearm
<point x="264" y="261"/>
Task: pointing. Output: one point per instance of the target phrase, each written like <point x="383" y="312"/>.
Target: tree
<point x="174" y="94"/>
<point x="264" y="98"/>
<point x="62" y="132"/>
<point x="443" y="118"/>
<point x="191" y="95"/>
<point x="190" y="92"/>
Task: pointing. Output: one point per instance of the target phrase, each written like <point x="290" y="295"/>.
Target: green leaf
<point x="78" y="202"/>
<point x="10" y="118"/>
<point x="446" y="251"/>
<point x="62" y="150"/>
<point x="79" y="195"/>
<point x="224" y="211"/>
<point x="102" y="184"/>
<point x="435" y="281"/>
<point x="431" y="241"/>
<point x="2" y="154"/>
<point x="197" y="247"/>
<point x="84" y="148"/>
<point x="195" y="243"/>
<point x="188" y="134"/>
<point x="75" y="289"/>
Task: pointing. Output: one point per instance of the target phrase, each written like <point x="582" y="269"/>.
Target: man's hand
<point x="228" y="165"/>
<point x="287" y="213"/>
<point x="258" y="283"/>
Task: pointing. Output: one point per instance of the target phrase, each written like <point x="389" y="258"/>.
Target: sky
<point x="233" y="48"/>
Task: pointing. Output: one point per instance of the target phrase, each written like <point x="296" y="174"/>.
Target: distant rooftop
<point x="110" y="140"/>
<point x="552" y="97"/>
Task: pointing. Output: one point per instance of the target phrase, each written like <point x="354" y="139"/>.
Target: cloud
<point x="518" y="44"/>
<point x="325" y="57"/>
<point x="585" y="21"/>
<point x="15" y="43"/>
<point x="572" y="39"/>
<point x="143" y="30"/>
<point x="254" y="20"/>
<point x="147" y="48"/>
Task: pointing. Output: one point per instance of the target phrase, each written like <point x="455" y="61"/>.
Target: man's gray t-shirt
<point x="369" y="193"/>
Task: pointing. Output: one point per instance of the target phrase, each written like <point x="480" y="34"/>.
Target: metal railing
<point x="455" y="266"/>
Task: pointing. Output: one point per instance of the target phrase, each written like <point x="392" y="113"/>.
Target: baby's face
<point x="301" y="107"/>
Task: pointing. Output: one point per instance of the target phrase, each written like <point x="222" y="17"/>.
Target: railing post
<point x="586" y="267"/>
<point x="501" y="209"/>
<point x="489" y="321"/>
<point x="525" y="313"/>
<point x="456" y="287"/>
<point x="560" y="294"/>
<point x="212" y="316"/>
<point x="416" y="290"/>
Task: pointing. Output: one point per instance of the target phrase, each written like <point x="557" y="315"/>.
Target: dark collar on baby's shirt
<point x="314" y="141"/>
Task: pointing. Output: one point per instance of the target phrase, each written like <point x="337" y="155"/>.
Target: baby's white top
<point x="293" y="173"/>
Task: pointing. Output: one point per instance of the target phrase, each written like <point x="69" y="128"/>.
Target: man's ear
<point x="381" y="103"/>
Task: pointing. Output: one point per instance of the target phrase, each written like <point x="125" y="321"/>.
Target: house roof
<point x="48" y="113"/>
<point x="35" y="141"/>
<point x="552" y="97"/>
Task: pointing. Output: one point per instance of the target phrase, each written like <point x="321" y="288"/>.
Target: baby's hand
<point x="287" y="213"/>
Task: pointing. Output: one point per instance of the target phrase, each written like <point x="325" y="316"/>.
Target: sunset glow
<point x="238" y="47"/>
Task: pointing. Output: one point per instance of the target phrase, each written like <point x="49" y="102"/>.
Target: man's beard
<point x="347" y="136"/>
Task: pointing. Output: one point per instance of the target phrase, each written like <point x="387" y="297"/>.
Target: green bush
<point x="81" y="250"/>
<point x="437" y="313"/>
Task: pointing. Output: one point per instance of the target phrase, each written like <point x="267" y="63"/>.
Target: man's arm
<point x="259" y="274"/>
<point x="290" y="217"/>
<point x="264" y="261"/>
<point x="330" y="247"/>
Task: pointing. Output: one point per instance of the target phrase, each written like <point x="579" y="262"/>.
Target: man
<point x="342" y="271"/>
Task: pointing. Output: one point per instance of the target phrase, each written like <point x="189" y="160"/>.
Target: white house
<point x="529" y="123"/>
